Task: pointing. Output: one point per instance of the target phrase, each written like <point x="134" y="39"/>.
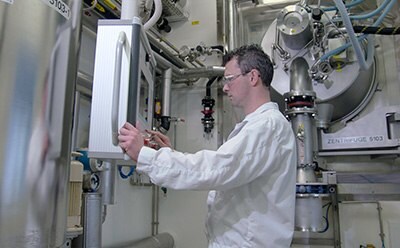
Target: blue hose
<point x="123" y="175"/>
<point x="349" y="5"/>
<point x="364" y="64"/>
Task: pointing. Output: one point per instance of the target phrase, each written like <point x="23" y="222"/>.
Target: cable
<point x="376" y="30"/>
<point x="326" y="217"/>
<point x="91" y="7"/>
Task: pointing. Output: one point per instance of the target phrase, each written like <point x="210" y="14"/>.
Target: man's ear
<point x="254" y="77"/>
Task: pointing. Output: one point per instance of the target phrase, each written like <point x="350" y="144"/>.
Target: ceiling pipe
<point x="166" y="53"/>
<point x="189" y="73"/>
<point x="158" y="39"/>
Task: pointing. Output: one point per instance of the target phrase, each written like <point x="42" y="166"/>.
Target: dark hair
<point x="252" y="57"/>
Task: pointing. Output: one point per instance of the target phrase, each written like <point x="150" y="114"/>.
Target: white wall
<point x="360" y="224"/>
<point x="183" y="213"/>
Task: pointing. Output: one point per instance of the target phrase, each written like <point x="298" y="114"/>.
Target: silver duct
<point x="107" y="183"/>
<point x="189" y="73"/>
<point x="92" y="219"/>
<point x="300" y="109"/>
<point x="37" y="83"/>
<point x="301" y="103"/>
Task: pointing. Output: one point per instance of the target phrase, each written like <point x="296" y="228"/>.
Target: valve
<point x="208" y="120"/>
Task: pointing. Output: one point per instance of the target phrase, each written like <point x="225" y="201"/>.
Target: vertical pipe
<point x="300" y="108"/>
<point x="336" y="221"/>
<point x="107" y="183"/>
<point x="303" y="128"/>
<point x="155" y="209"/>
<point x="381" y="233"/>
<point x="92" y="212"/>
<point x="75" y="124"/>
<point x="167" y="81"/>
<point x="129" y="9"/>
<point x="232" y="27"/>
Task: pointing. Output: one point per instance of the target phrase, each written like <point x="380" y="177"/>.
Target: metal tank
<point x="39" y="42"/>
<point x="343" y="89"/>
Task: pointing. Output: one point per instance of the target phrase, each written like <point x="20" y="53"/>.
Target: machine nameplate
<point x="356" y="139"/>
<point x="60" y="7"/>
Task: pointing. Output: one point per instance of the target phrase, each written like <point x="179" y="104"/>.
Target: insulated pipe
<point x="129" y="9"/>
<point x="156" y="39"/>
<point x="167" y="81"/>
<point x="207" y="71"/>
<point x="154" y="18"/>
<point x="188" y="73"/>
<point x="158" y="48"/>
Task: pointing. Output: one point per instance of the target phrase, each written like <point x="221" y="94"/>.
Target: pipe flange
<point x="305" y="110"/>
<point x="304" y="93"/>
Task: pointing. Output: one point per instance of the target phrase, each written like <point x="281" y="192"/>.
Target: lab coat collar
<point x="249" y="117"/>
<point x="261" y="109"/>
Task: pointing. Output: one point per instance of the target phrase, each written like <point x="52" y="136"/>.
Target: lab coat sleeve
<point x="255" y="151"/>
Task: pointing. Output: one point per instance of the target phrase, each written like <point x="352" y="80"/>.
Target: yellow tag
<point x="195" y="23"/>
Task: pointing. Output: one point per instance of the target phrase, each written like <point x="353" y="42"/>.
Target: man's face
<point x="236" y="84"/>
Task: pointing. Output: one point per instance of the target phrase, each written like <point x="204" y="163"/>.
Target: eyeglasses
<point x="226" y="80"/>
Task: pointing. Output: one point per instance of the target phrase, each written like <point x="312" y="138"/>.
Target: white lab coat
<point x="252" y="179"/>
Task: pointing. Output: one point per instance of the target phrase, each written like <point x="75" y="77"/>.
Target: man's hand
<point x="130" y="140"/>
<point x="161" y="139"/>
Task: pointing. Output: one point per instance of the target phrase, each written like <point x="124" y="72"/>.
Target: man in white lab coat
<point x="251" y="177"/>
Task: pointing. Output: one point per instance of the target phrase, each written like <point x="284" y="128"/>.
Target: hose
<point x="364" y="63"/>
<point x="372" y="13"/>
<point x="376" y="30"/>
<point x="349" y="5"/>
<point x="122" y="174"/>
<point x="154" y="18"/>
<point x="370" y="44"/>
